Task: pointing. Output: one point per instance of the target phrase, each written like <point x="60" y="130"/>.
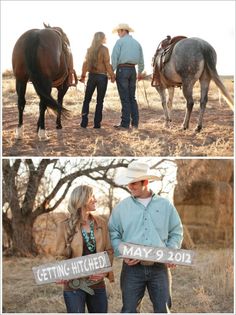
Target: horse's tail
<point x="41" y="83"/>
<point x="211" y="67"/>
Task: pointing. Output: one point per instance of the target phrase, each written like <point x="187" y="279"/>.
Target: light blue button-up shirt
<point x="127" y="50"/>
<point x="158" y="224"/>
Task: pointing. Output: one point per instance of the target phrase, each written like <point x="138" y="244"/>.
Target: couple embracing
<point x="143" y="218"/>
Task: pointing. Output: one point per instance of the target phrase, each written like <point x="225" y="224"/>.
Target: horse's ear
<point x="46" y="26"/>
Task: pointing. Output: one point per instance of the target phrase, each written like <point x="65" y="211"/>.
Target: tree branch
<point x="44" y="206"/>
<point x="35" y="176"/>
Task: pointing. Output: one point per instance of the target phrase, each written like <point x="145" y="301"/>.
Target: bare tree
<point x="22" y="200"/>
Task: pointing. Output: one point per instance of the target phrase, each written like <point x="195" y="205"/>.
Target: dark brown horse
<point x="43" y="56"/>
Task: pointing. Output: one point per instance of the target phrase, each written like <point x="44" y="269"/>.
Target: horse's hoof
<point x="59" y="126"/>
<point x="19" y="133"/>
<point x="42" y="135"/>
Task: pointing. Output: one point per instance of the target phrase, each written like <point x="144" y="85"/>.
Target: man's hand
<point x="170" y="265"/>
<point x="131" y="262"/>
<point x="140" y="76"/>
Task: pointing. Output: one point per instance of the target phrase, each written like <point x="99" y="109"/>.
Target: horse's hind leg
<point x="162" y="94"/>
<point x="204" y="83"/>
<point x="188" y="94"/>
<point x="20" y="89"/>
<point x="41" y="120"/>
<point x="61" y="92"/>
<point x="171" y="91"/>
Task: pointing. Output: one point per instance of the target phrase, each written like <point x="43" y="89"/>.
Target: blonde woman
<point x="82" y="234"/>
<point x="97" y="63"/>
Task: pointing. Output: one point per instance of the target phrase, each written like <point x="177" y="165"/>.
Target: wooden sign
<point x="156" y="254"/>
<point x="72" y="268"/>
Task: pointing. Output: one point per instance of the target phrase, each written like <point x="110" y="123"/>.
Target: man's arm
<point x="175" y="235"/>
<point x="115" y="231"/>
<point x="115" y="56"/>
<point x="141" y="61"/>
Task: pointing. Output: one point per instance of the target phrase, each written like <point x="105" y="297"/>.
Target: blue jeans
<point x="126" y="84"/>
<point x="98" y="81"/>
<point x="135" y="279"/>
<point x="76" y="301"/>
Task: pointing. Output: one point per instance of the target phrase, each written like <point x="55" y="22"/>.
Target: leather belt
<point x="98" y="73"/>
<point x="126" y="65"/>
<point x="147" y="263"/>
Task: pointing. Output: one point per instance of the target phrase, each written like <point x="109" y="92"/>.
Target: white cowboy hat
<point x="122" y="26"/>
<point x="135" y="172"/>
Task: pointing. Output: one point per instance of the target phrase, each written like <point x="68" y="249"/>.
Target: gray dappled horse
<point x="192" y="59"/>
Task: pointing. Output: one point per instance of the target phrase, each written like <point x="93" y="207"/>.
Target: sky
<point x="152" y="21"/>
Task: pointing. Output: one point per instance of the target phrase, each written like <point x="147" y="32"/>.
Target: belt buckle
<point x="147" y="263"/>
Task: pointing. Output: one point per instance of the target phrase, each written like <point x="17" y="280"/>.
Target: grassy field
<point x="207" y="287"/>
<point x="151" y="139"/>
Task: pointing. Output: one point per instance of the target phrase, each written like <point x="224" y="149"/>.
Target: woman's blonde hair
<point x="92" y="52"/>
<point x="79" y="198"/>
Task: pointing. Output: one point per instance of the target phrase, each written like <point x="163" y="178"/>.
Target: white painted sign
<point x="156" y="254"/>
<point x="72" y="268"/>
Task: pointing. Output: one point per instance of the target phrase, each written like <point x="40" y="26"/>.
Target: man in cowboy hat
<point x="144" y="218"/>
<point x="126" y="54"/>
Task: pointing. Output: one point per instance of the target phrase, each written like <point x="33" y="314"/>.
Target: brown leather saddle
<point x="69" y="72"/>
<point x="161" y="57"/>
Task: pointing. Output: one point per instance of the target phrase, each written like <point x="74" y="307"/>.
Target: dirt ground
<point x="151" y="139"/>
<point x="207" y="287"/>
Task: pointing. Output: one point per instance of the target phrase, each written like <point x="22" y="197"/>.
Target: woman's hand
<point x="113" y="79"/>
<point x="97" y="277"/>
<point x="82" y="79"/>
<point x="61" y="281"/>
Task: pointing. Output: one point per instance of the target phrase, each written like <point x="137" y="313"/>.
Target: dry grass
<point x="205" y="288"/>
<point x="151" y="139"/>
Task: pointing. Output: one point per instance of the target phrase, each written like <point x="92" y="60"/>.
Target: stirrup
<point x="155" y="84"/>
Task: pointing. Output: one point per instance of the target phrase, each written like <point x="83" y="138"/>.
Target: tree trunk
<point x="7" y="229"/>
<point x="22" y="239"/>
